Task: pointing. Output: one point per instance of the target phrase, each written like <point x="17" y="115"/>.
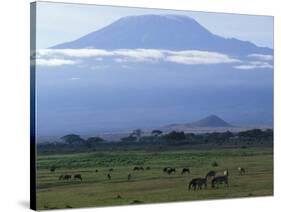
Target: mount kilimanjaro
<point x="172" y="32"/>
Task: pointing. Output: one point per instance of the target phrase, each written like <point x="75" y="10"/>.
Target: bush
<point x="175" y="136"/>
<point x="215" y="164"/>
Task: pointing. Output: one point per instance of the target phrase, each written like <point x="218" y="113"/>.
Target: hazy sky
<point x="97" y="90"/>
<point x="60" y="22"/>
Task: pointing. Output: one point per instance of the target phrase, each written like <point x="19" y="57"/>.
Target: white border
<point x="14" y="110"/>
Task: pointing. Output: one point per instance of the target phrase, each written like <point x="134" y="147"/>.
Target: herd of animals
<point x="194" y="184"/>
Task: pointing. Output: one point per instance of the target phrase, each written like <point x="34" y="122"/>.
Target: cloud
<point x="141" y="55"/>
<point x="188" y="57"/>
<point x="193" y="57"/>
<point x="55" y="62"/>
<point x="75" y="78"/>
<point x="254" y="65"/>
<point x="261" y="56"/>
<point x="73" y="53"/>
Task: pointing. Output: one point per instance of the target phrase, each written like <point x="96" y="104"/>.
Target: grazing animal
<point x="226" y="172"/>
<point x="138" y="168"/>
<point x="171" y="170"/>
<point x="111" y="169"/>
<point x="129" y="176"/>
<point x="241" y="171"/>
<point x="197" y="183"/>
<point x="53" y="169"/>
<point x="165" y="169"/>
<point x="77" y="176"/>
<point x="200" y="182"/>
<point x="192" y="184"/>
<point x="65" y="177"/>
<point x="147" y="168"/>
<point x="108" y="176"/>
<point x="220" y="180"/>
<point x="184" y="170"/>
<point x="210" y="174"/>
<point x="97" y="170"/>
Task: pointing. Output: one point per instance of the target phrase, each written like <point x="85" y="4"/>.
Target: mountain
<point x="211" y="122"/>
<point x="172" y="32"/>
<point x="90" y="91"/>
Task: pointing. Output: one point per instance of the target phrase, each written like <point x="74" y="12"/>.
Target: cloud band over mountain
<point x="59" y="57"/>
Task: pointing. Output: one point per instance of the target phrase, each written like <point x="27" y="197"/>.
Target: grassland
<point x="149" y="186"/>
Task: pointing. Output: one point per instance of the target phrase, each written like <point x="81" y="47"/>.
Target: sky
<point x="103" y="90"/>
<point x="61" y="22"/>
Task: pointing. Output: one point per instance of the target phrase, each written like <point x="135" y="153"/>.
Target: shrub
<point x="215" y="164"/>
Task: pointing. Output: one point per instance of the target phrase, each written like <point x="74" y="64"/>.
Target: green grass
<point x="150" y="186"/>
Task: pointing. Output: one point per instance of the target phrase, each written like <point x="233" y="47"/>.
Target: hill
<point x="209" y="123"/>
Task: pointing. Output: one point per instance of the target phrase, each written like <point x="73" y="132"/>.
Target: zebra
<point x="197" y="183"/>
<point x="185" y="170"/>
<point x="220" y="180"/>
<point x="210" y="174"/>
<point x="241" y="171"/>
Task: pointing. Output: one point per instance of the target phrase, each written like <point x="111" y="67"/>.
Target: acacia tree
<point x="72" y="139"/>
<point x="175" y="136"/>
<point x="156" y="132"/>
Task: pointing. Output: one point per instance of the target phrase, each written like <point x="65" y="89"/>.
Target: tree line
<point x="174" y="137"/>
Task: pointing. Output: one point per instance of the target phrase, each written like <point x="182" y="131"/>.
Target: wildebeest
<point x="77" y="176"/>
<point x="138" y="168"/>
<point x="53" y="169"/>
<point x="192" y="184"/>
<point x="210" y="174"/>
<point x="200" y="182"/>
<point x="165" y="169"/>
<point x="220" y="180"/>
<point x="241" y="171"/>
<point x="97" y="170"/>
<point x="147" y="168"/>
<point x="184" y="170"/>
<point x="111" y="169"/>
<point x="171" y="170"/>
<point x="129" y="176"/>
<point x="109" y="176"/>
<point x="65" y="177"/>
<point x="197" y="183"/>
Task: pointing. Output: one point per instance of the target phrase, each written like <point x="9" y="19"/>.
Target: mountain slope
<point x="172" y="32"/>
<point x="211" y="121"/>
